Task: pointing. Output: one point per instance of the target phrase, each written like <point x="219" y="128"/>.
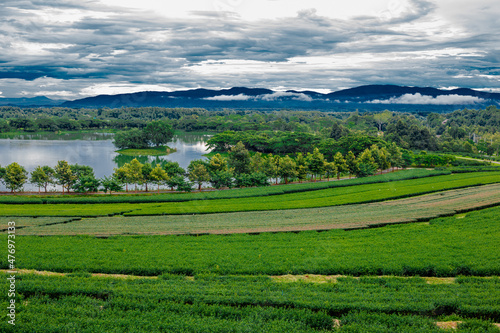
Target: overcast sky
<point x="74" y="49"/>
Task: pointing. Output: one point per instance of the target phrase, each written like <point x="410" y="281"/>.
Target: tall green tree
<point x="120" y="175"/>
<point x="366" y="164"/>
<point x="287" y="168"/>
<point x="340" y="164"/>
<point x="256" y="162"/>
<point x="198" y="172"/>
<point x="270" y="168"/>
<point x="239" y="159"/>
<point x="146" y="174"/>
<point x="218" y="163"/>
<point x="158" y="176"/>
<point x="316" y="163"/>
<point x="110" y="184"/>
<point x="158" y="133"/>
<point x="352" y="163"/>
<point x="330" y="169"/>
<point x="134" y="172"/>
<point x="395" y="155"/>
<point x="64" y="175"/>
<point x="86" y="183"/>
<point x="302" y="167"/>
<point x="382" y="118"/>
<point x="15" y="176"/>
<point x="173" y="169"/>
<point x="42" y="176"/>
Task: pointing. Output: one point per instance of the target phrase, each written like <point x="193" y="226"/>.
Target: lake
<point x="95" y="150"/>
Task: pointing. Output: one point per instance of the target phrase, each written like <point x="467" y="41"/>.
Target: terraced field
<point x="338" y="217"/>
<point x="434" y="264"/>
<point x="344" y="195"/>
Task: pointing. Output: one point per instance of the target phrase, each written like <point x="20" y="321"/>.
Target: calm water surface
<point x="96" y="151"/>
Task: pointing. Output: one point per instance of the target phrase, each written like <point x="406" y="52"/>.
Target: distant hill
<point x="369" y="97"/>
<point x="34" y="101"/>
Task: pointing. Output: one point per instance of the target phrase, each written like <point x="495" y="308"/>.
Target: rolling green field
<point x="456" y="245"/>
<point x="318" y="198"/>
<point x="164" y="266"/>
<point x="338" y="217"/>
<point x="211" y="303"/>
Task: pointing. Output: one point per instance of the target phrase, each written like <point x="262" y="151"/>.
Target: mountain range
<point x="372" y="97"/>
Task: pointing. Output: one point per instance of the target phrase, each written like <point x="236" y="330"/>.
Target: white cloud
<point x="119" y="88"/>
<point x="267" y="97"/>
<point x="281" y="94"/>
<point x="240" y="97"/>
<point x="425" y="99"/>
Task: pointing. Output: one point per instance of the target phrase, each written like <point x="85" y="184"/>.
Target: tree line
<point x="466" y="131"/>
<point x="240" y="168"/>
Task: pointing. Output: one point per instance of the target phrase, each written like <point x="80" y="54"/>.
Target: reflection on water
<point x="99" y="154"/>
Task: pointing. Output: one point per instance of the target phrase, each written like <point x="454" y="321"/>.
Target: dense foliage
<point x="465" y="131"/>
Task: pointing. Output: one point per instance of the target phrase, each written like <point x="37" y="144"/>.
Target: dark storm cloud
<point x="142" y="47"/>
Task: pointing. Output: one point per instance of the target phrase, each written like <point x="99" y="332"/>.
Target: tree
<point x="408" y="157"/>
<point x="395" y="155"/>
<point x="134" y="139"/>
<point x="158" y="176"/>
<point x="64" y="175"/>
<point x="175" y="181"/>
<point x="352" y="163"/>
<point x="111" y="184"/>
<point x="134" y="172"/>
<point x="382" y="118"/>
<point x="380" y="157"/>
<point x="217" y="163"/>
<point x="239" y="159"/>
<point x="316" y="162"/>
<point x="42" y="176"/>
<point x="330" y="169"/>
<point x="340" y="164"/>
<point x="256" y="162"/>
<point x="270" y="168"/>
<point x="146" y="174"/>
<point x="2" y="173"/>
<point x="173" y="169"/>
<point x="120" y="176"/>
<point x="302" y="167"/>
<point x="221" y="178"/>
<point x="158" y="133"/>
<point x="338" y="131"/>
<point x="366" y="164"/>
<point x="86" y="183"/>
<point x="15" y="176"/>
<point x="287" y="168"/>
<point x="198" y="172"/>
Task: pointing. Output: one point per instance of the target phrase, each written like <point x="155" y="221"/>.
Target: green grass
<point x="443" y="247"/>
<point x="311" y="199"/>
<point x="23" y="222"/>
<point x="352" y="216"/>
<point x="66" y="209"/>
<point x="152" y="151"/>
<point x="323" y="198"/>
<point x="247" y="304"/>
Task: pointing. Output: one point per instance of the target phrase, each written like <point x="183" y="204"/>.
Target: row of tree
<point x="239" y="169"/>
